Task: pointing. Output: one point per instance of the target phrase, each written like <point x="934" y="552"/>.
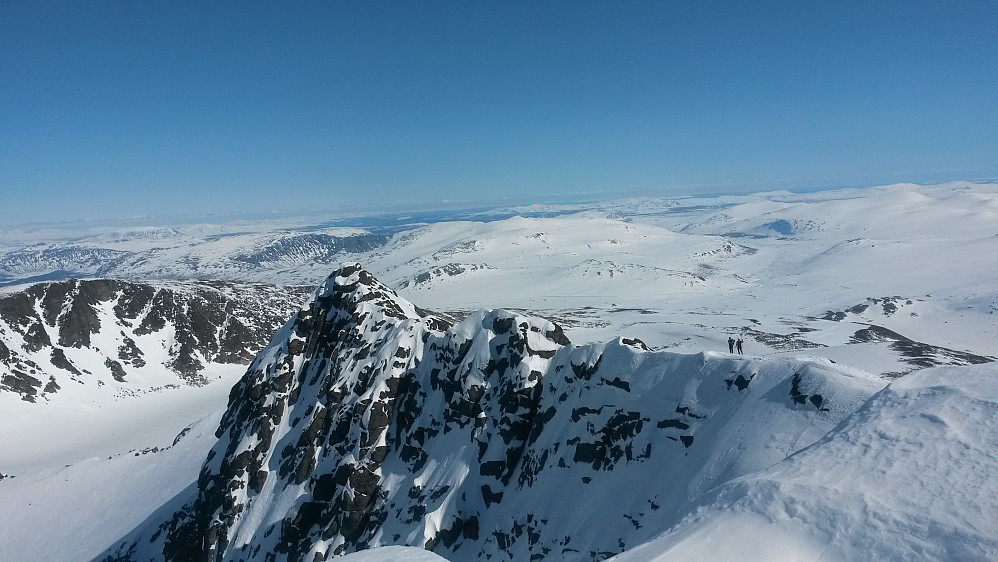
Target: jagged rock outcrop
<point x="368" y="421"/>
<point x="96" y="331"/>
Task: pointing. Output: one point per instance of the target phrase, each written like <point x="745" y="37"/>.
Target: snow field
<point x="80" y="477"/>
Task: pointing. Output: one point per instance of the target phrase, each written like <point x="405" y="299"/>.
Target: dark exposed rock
<point x="889" y="305"/>
<point x="130" y="353"/>
<point x="18" y="311"/>
<point x="577" y="413"/>
<point x="60" y="360"/>
<point x="740" y="382"/>
<point x="181" y="435"/>
<point x="801" y="398"/>
<point x="52" y="386"/>
<point x="210" y="322"/>
<point x="918" y="353"/>
<point x="791" y="341"/>
<point x="557" y="335"/>
<point x="584" y="371"/>
<point x="117" y="371"/>
<point x="623" y="385"/>
<point x="21" y="383"/>
<point x="489" y="496"/>
<point x="634" y="342"/>
<point x="673" y="423"/>
<point x="80" y="320"/>
<point x="685" y="410"/>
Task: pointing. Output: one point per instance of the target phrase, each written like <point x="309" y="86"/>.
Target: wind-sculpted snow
<point x="124" y="335"/>
<point x="370" y="422"/>
<point x="909" y="476"/>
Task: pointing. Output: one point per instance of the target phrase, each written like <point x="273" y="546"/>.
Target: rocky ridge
<point x="114" y="332"/>
<point x="368" y="421"/>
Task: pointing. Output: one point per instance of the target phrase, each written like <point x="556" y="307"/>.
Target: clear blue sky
<point x="126" y="108"/>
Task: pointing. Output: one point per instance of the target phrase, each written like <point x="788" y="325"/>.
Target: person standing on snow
<point x="738" y="345"/>
<point x="731" y="344"/>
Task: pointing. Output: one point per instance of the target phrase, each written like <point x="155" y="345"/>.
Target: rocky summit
<point x="367" y="421"/>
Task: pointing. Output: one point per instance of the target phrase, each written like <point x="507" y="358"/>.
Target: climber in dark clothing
<point x="731" y="344"/>
<point x="738" y="345"/>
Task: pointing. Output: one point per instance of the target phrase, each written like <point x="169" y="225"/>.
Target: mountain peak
<point x="368" y="422"/>
<point x="353" y="290"/>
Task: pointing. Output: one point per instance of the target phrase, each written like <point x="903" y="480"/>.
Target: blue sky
<point x="111" y="109"/>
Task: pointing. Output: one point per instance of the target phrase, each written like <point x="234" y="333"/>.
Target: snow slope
<point x="79" y="474"/>
<point x="909" y="476"/>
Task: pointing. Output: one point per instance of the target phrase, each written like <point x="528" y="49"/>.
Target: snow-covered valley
<point x="858" y="424"/>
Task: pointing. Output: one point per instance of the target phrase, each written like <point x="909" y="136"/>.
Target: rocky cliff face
<point x="103" y="331"/>
<point x="368" y="421"/>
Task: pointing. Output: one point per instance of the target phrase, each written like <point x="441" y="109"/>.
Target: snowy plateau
<point x="549" y="382"/>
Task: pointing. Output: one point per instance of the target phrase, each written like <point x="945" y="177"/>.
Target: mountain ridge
<point x="128" y="335"/>
<point x="369" y="422"/>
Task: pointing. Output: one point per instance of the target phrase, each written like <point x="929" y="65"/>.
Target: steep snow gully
<point x="368" y="422"/>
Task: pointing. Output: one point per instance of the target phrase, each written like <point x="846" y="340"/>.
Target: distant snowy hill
<point x="35" y="264"/>
<point x="369" y="422"/>
<point x="172" y="254"/>
<point x="129" y="337"/>
<point x="886" y="279"/>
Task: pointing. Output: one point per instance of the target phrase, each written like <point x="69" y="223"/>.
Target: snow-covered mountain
<point x="870" y="320"/>
<point x="129" y="337"/>
<point x="368" y="421"/>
